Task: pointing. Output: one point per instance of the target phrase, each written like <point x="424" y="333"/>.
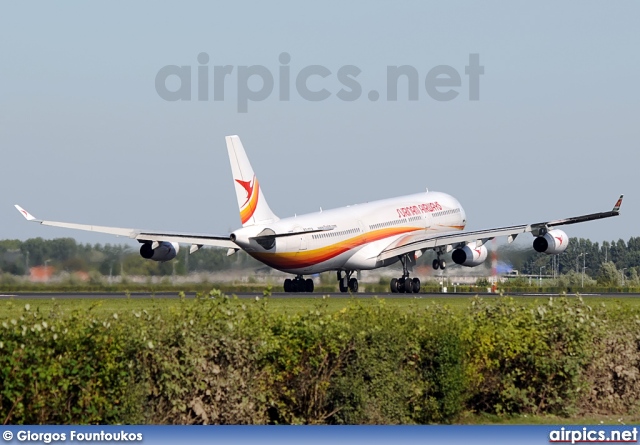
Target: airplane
<point x="346" y="240"/>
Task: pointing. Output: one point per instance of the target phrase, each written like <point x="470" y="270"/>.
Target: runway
<point x="283" y="295"/>
<point x="245" y="295"/>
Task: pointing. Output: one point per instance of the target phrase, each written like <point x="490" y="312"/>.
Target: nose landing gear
<point x="439" y="264"/>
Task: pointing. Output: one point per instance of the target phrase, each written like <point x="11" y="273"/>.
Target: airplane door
<point x="363" y="230"/>
<point x="427" y="220"/>
<point x="303" y="242"/>
<point x="300" y="240"/>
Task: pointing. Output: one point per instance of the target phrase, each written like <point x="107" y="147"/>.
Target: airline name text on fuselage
<point x="428" y="207"/>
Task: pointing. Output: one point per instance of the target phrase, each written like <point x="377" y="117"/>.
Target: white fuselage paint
<point x="360" y="233"/>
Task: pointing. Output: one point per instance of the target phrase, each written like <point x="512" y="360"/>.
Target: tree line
<point x="610" y="263"/>
<point x="615" y="260"/>
<point x="67" y="255"/>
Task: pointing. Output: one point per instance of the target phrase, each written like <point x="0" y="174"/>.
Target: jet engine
<point x="164" y="252"/>
<point x="469" y="255"/>
<point x="552" y="243"/>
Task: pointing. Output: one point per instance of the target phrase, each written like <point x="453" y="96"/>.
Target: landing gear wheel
<point x="401" y="285"/>
<point x="408" y="285"/>
<point x="394" y="285"/>
<point x="343" y="288"/>
<point x="416" y="285"/>
<point x="443" y="265"/>
<point x="287" y="285"/>
<point x="436" y="264"/>
<point x="353" y="285"/>
<point x="308" y="285"/>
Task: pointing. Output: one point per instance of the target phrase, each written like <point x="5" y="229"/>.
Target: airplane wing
<point x="449" y="241"/>
<point x="196" y="240"/>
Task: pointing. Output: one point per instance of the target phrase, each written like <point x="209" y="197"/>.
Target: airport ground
<point x="243" y="294"/>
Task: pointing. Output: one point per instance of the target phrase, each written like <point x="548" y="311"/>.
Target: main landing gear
<point x="346" y="283"/>
<point x="298" y="284"/>
<point x="405" y="284"/>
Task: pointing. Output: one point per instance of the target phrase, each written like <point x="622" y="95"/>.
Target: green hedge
<point x="226" y="361"/>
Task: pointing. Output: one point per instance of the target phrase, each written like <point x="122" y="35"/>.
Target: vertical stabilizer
<point x="253" y="207"/>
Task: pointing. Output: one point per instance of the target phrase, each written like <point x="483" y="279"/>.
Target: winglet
<point x="616" y="208"/>
<point x="28" y="216"/>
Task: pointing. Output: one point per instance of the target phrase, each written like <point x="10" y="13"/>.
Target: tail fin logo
<point x="249" y="207"/>
<point x="248" y="186"/>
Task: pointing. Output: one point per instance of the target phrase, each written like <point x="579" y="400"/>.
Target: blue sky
<point x="86" y="137"/>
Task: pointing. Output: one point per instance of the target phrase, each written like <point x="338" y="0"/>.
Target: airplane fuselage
<point x="353" y="236"/>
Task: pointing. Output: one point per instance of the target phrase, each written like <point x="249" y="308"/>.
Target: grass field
<point x="13" y="307"/>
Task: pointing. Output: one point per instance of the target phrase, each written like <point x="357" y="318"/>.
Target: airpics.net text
<point x="255" y="83"/>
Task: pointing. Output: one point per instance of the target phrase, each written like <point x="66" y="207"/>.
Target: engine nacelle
<point x="164" y="252"/>
<point x="552" y="243"/>
<point x="469" y="255"/>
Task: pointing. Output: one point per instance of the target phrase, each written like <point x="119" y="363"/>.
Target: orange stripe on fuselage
<point x="306" y="258"/>
<point x="249" y="209"/>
